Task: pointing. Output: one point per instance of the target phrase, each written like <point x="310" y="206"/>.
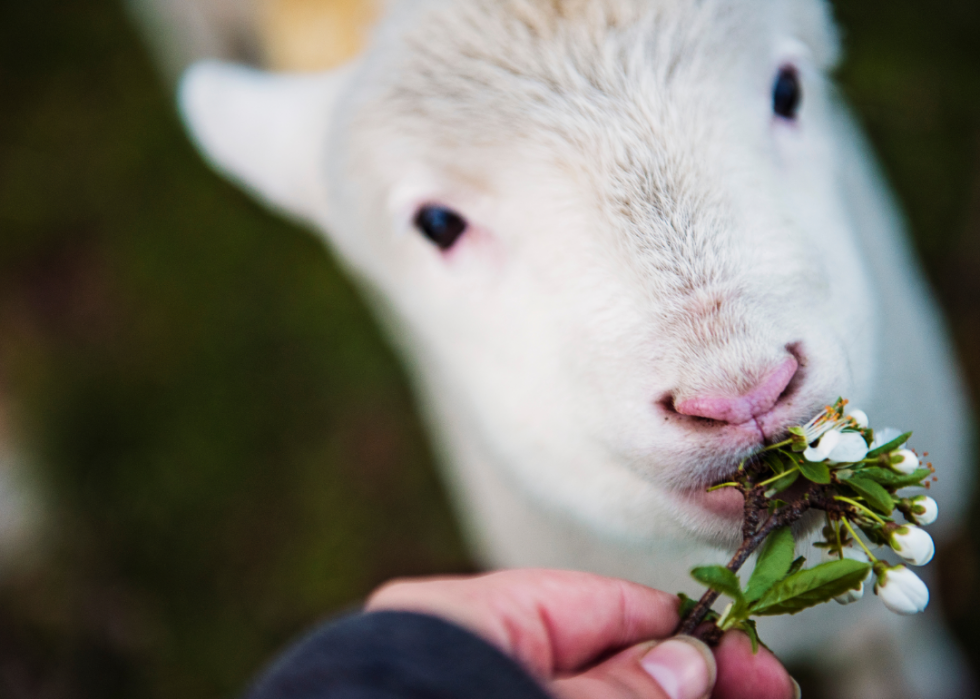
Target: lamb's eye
<point x="440" y="225"/>
<point x="787" y="93"/>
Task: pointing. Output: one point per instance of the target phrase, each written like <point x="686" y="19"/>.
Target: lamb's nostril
<point x="738" y="409"/>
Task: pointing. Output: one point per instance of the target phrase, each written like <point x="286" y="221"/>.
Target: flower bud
<point x="913" y="545"/>
<point x="859" y="416"/>
<point x="923" y="510"/>
<point x="902" y="591"/>
<point x="904" y="461"/>
<point x="851" y="595"/>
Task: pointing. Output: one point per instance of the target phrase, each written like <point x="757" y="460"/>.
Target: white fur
<point x="642" y="227"/>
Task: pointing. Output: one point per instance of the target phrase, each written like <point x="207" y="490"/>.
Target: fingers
<point x="744" y="675"/>
<point x="680" y="668"/>
<point x="556" y="622"/>
<point x="551" y="621"/>
<point x="683" y="668"/>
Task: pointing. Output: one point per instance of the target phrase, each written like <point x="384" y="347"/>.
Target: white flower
<point x="860" y="417"/>
<point x="913" y="545"/>
<point x="924" y="510"/>
<point x="851" y="595"/>
<point x="901" y="590"/>
<point x="828" y="419"/>
<point x="883" y="437"/>
<point x="907" y="462"/>
<point x="838" y="447"/>
<point x="850" y="448"/>
<point x="823" y="448"/>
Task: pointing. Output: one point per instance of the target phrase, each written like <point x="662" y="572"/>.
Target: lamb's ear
<point x="266" y="131"/>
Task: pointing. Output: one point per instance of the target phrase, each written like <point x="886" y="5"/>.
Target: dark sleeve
<point x="394" y="655"/>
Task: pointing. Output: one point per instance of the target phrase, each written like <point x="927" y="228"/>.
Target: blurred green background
<point x="226" y="447"/>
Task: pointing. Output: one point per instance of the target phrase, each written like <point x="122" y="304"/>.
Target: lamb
<point x="621" y="243"/>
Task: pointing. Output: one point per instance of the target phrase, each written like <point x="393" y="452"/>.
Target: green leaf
<point x="816" y="472"/>
<point x="791" y="458"/>
<point x="775" y="558"/>
<point x="875" y="532"/>
<point x="782" y="484"/>
<point x="891" y="446"/>
<point x="797" y="565"/>
<point x="720" y="579"/>
<point x="799" y="439"/>
<point x="873" y="493"/>
<point x="811" y="587"/>
<point x="748" y="626"/>
<point x="774" y="462"/>
<point x="892" y="480"/>
<point x="687" y="605"/>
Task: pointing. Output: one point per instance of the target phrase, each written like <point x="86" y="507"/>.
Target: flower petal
<point x="860" y="417"/>
<point x="884" y="436"/>
<point x="924" y="510"/>
<point x="902" y="591"/>
<point x="824" y="446"/>
<point x="913" y="545"/>
<point x="851" y="595"/>
<point x="850" y="448"/>
<point x="908" y="461"/>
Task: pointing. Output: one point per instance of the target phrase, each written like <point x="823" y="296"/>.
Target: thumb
<point x="679" y="668"/>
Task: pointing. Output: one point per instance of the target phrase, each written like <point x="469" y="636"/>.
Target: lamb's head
<point x="610" y="233"/>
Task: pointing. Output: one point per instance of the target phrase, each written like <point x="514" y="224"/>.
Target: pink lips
<point x="740" y="420"/>
<point x="727" y="503"/>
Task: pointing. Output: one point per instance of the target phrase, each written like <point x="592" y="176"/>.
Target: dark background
<point x="226" y="448"/>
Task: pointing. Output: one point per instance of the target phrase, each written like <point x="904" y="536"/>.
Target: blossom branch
<point x="753" y="538"/>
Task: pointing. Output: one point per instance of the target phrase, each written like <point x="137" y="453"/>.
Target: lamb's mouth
<point x="726" y="503"/>
<point x="729" y="503"/>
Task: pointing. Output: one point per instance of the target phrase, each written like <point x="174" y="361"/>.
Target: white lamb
<point x="622" y="242"/>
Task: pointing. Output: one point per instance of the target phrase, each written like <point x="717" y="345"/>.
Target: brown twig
<point x="753" y="535"/>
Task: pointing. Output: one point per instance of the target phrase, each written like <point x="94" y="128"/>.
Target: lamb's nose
<point x="734" y="411"/>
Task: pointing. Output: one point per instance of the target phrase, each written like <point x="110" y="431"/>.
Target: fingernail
<point x="797" y="694"/>
<point x="681" y="667"/>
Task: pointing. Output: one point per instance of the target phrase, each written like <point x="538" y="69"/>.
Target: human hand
<point x="589" y="637"/>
